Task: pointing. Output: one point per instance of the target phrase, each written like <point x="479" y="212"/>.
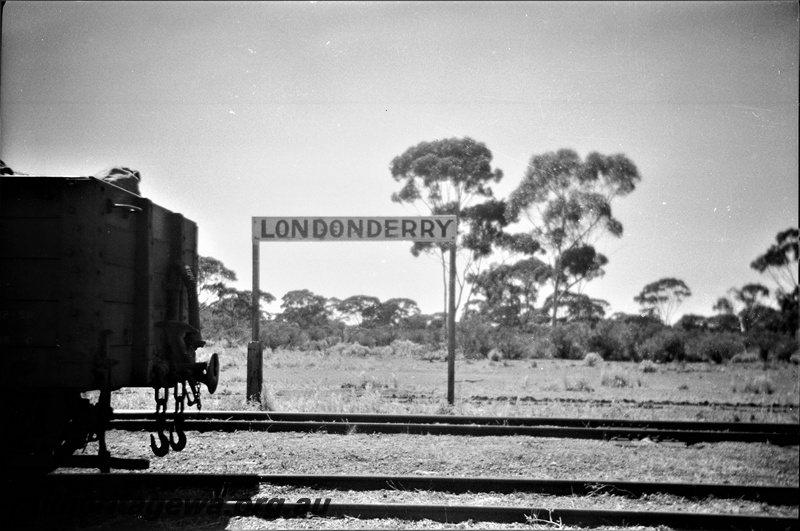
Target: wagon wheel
<point x="48" y="423"/>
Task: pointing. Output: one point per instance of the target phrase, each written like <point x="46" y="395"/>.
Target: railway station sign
<point x="433" y="229"/>
<point x="422" y="229"/>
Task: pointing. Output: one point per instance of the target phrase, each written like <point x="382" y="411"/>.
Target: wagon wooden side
<point x="79" y="256"/>
<point x="97" y="292"/>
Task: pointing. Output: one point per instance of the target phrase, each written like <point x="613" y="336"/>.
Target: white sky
<point x="231" y="110"/>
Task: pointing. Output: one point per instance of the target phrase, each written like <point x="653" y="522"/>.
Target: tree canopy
<point x="449" y="176"/>
<point x="213" y="277"/>
<point x="444" y="175"/>
<point x="663" y="297"/>
<point x="218" y="300"/>
<point x="304" y="307"/>
<point x="780" y="261"/>
<point x="568" y="204"/>
<point x="368" y="311"/>
<point x="579" y="306"/>
<point x="509" y="291"/>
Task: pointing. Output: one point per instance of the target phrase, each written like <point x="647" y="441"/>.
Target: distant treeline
<point x="313" y="322"/>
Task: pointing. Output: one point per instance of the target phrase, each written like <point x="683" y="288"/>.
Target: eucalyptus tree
<point x="359" y="309"/>
<point x="663" y="297"/>
<point x="368" y="311"/>
<point x="509" y="291"/>
<point x="305" y="308"/>
<point x="579" y="306"/>
<point x="780" y="262"/>
<point x="747" y="304"/>
<point x="213" y="277"/>
<point x="451" y="177"/>
<point x="218" y="300"/>
<point x="396" y="312"/>
<point x="235" y="306"/>
<point x="567" y="202"/>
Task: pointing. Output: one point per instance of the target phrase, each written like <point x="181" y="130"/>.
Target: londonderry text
<point x="426" y="228"/>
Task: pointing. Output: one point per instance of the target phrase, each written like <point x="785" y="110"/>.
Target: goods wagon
<point x="97" y="293"/>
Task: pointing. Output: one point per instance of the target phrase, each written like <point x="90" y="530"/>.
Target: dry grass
<point x="407" y="379"/>
<point x="619" y="378"/>
<point x="759" y="385"/>
<point x="580" y="385"/>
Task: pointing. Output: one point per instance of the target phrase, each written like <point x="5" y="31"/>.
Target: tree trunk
<point x="556" y="286"/>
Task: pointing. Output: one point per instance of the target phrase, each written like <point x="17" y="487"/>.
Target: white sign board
<point x="419" y="229"/>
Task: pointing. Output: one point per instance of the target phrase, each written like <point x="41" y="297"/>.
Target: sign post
<point x="255" y="352"/>
<point x="435" y="229"/>
<point x="451" y="329"/>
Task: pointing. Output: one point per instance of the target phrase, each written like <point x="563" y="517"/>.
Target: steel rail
<point x="689" y="437"/>
<point x="760" y="427"/>
<point x="632" y="401"/>
<point x="107" y="484"/>
<point x="569" y="517"/>
<point x="593" y="401"/>
<point x="217" y="509"/>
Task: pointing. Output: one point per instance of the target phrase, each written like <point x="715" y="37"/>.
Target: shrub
<point x="770" y="344"/>
<point x="365" y="339"/>
<point x="371" y="383"/>
<point x="745" y="357"/>
<point x="220" y="328"/>
<point x="415" y="335"/>
<point x="630" y="331"/>
<point x="510" y="344"/>
<point x="592" y="359"/>
<point x="785" y="349"/>
<point x="350" y="349"/>
<point x="279" y="334"/>
<point x="616" y="339"/>
<point x="717" y="348"/>
<point x="647" y="366"/>
<point x="615" y="379"/>
<point x="382" y="336"/>
<point x="725" y="322"/>
<point x="434" y="333"/>
<point x="580" y="385"/>
<point x="537" y="339"/>
<point x="316" y="346"/>
<point x="474" y="337"/>
<point x="665" y="346"/>
<point x="605" y="342"/>
<point x="405" y="348"/>
<point x="565" y="341"/>
<point x="381" y="351"/>
<point x="759" y="385"/>
<point x="213" y="324"/>
<point x="317" y="333"/>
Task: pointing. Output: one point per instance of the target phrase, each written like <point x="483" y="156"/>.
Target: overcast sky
<point x="232" y="110"/>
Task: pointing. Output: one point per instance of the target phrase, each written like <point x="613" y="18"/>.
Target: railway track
<point x="604" y="429"/>
<point x="110" y="494"/>
<point x="105" y="483"/>
<point x="644" y="404"/>
<point x="639" y="403"/>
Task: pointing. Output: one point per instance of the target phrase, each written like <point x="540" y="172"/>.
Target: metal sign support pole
<point x="451" y="328"/>
<point x="255" y="354"/>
